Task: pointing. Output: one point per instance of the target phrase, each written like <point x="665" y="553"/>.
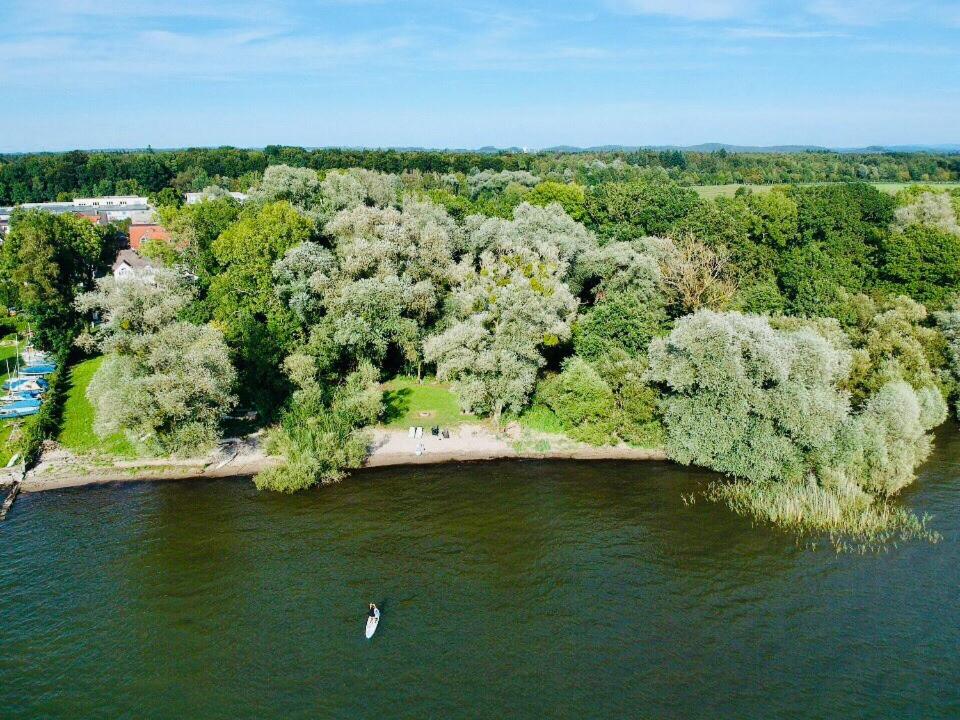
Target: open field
<point x="713" y="191"/>
<point x="78" y="414"/>
<point x="409" y="402"/>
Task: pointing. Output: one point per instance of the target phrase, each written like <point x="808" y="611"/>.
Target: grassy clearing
<point x="409" y="402"/>
<point x="713" y="191"/>
<point x="78" y="414"/>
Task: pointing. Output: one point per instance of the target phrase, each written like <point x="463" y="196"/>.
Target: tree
<point x="625" y="321"/>
<point x="775" y="218"/>
<point x="168" y="390"/>
<point x="49" y="260"/>
<point x="321" y="434"/>
<point x="765" y="405"/>
<point x="298" y="186"/>
<point x="933" y="210"/>
<point x="165" y="383"/>
<point x="893" y="343"/>
<point x="650" y="206"/>
<point x="818" y="279"/>
<point x="506" y="311"/>
<point x="571" y="197"/>
<point x="923" y="262"/>
<point x="130" y="308"/>
<point x="244" y="301"/>
<point x="488" y="183"/>
<point x="948" y="321"/>
<point x="748" y="400"/>
<point x="349" y="188"/>
<point x="193" y="230"/>
<point x="697" y="275"/>
<point x="583" y="401"/>
<point x="548" y="232"/>
<point x="382" y="287"/>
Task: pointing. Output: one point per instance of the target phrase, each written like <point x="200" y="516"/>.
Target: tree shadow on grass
<point x="396" y="404"/>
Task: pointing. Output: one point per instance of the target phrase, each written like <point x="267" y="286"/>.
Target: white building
<point x="117" y="201"/>
<point x="110" y="208"/>
<point x="193" y="198"/>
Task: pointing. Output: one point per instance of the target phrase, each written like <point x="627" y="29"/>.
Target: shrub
<point x="625" y="321"/>
<point x="583" y="401"/>
<point x="320" y="437"/>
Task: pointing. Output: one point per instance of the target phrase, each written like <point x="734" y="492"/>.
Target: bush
<point x="321" y="438"/>
<point x="318" y="446"/>
<point x="583" y="401"/>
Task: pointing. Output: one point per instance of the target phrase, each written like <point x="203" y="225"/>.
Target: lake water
<point x="508" y="590"/>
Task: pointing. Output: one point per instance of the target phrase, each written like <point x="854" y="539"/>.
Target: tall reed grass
<point x="851" y="522"/>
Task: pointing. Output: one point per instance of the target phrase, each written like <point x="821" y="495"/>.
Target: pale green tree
<point x="506" y="312"/>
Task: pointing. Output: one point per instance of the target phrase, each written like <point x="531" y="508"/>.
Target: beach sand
<point x="59" y="468"/>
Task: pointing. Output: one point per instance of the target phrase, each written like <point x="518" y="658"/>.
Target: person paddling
<point x="373" y="619"/>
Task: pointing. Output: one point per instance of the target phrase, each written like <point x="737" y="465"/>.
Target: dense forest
<point x="804" y="341"/>
<point x="44" y="177"/>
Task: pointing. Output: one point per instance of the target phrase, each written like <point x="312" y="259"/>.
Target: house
<point x="139" y="233"/>
<point x="131" y="266"/>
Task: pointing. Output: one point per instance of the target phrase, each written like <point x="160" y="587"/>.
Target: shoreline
<point x="60" y="469"/>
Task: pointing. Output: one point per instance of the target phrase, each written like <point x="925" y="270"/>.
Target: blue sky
<point x="128" y="73"/>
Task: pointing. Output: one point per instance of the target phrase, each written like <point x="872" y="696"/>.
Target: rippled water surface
<point x="509" y="590"/>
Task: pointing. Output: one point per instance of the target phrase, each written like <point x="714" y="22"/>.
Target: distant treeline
<point x="51" y="176"/>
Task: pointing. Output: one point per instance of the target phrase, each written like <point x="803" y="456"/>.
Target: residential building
<point x="131" y="266"/>
<point x="139" y="233"/>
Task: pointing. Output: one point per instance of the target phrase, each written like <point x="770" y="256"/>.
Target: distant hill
<point x="714" y="147"/>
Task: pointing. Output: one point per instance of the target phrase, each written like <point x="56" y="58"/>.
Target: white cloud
<point x="687" y="9"/>
<point x="765" y="33"/>
<point x="861" y="12"/>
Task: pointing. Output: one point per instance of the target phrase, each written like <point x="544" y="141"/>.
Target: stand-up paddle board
<point x="372" y="623"/>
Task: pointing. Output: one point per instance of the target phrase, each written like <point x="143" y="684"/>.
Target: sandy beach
<point x="59" y="468"/>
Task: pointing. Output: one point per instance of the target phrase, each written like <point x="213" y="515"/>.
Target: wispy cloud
<point x="765" y="33"/>
<point x="861" y="12"/>
<point x="687" y="9"/>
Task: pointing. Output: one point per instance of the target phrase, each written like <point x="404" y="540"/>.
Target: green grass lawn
<point x="8" y="354"/>
<point x="7" y="449"/>
<point x="408" y="402"/>
<point x="713" y="191"/>
<point x="78" y="413"/>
